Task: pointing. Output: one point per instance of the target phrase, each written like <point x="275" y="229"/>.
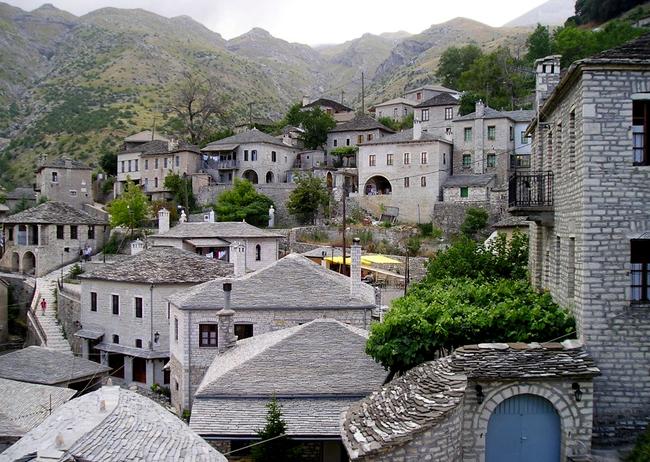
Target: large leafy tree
<point x="539" y="44"/>
<point x="131" y="209"/>
<point x="454" y="61"/>
<point x="316" y="123"/>
<point x="308" y="198"/>
<point x="181" y="189"/>
<point x="242" y="202"/>
<point x="588" y="11"/>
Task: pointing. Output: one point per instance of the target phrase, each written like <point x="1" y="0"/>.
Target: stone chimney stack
<point x="163" y="221"/>
<point x="355" y="267"/>
<point x="172" y="145"/>
<point x="480" y="109"/>
<point x="238" y="258"/>
<point x="547" y="77"/>
<point x="225" y="317"/>
<point x="417" y="129"/>
<point x="305" y="100"/>
<point x="208" y="217"/>
<point x="137" y="246"/>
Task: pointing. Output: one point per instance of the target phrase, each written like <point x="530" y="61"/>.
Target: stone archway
<point x="15" y="262"/>
<point x="250" y="175"/>
<point x="377" y="185"/>
<point x="29" y="263"/>
<point x="269" y="177"/>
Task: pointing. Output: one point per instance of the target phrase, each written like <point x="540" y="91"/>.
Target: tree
<point x="198" y="104"/>
<point x="476" y="219"/>
<point x="389" y="122"/>
<point x="131" y="209"/>
<point x="274" y="445"/>
<point x="308" y="198"/>
<point x="108" y="162"/>
<point x="539" y="44"/>
<point x="294" y="116"/>
<point x="242" y="202"/>
<point x="588" y="11"/>
<point x="181" y="189"/>
<point x="454" y="61"/>
<point x="316" y="123"/>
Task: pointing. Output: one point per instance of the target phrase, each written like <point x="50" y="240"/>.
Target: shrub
<point x="641" y="451"/>
<point x="75" y="271"/>
<point x="475" y="220"/>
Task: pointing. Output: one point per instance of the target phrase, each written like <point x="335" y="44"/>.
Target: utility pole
<point x="363" y="92"/>
<point x="342" y="93"/>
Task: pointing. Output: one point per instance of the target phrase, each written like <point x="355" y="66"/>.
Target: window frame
<point x="423" y="181"/>
<point x="643" y="130"/>
<point x="93" y="301"/>
<point x="449" y="113"/>
<point x="258" y="252"/>
<point x="389" y="159"/>
<point x="372" y="160"/>
<point x="640" y="264"/>
<point x="424" y="158"/>
<point x="468" y="135"/>
<point x="115" y="304"/>
<point x="406" y="158"/>
<point x="212" y="339"/>
<point x="91" y="232"/>
<point x="407" y="182"/>
<point x="464" y="192"/>
<point x="55" y="177"/>
<point x="244" y="325"/>
<point x="74" y="232"/>
<point x="425" y="115"/>
<point x="137" y="307"/>
<point x="59" y="235"/>
<point x="467" y="164"/>
<point x="491" y="132"/>
<point x="491" y="160"/>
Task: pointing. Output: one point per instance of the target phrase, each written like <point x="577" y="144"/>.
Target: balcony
<point x="212" y="164"/>
<point x="531" y="194"/>
<point x="520" y="161"/>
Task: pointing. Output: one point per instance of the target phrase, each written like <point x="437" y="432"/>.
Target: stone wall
<point x="68" y="307"/>
<point x="448" y="216"/>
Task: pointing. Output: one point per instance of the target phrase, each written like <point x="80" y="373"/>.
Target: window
<point x="176" y="328"/>
<point x="91" y="232"/>
<point x="467" y="160"/>
<point x="155" y="182"/>
<point x="492" y="133"/>
<point x="274" y="156"/>
<point x="165" y="162"/>
<point x="467" y="132"/>
<point x="423" y="181"/>
<point x="115" y="303"/>
<point x="243" y="330"/>
<point x="169" y="307"/>
<point x="156" y="163"/>
<point x="512" y="133"/>
<point x="640" y="270"/>
<point x="571" y="282"/>
<point x="73" y="193"/>
<point x="407" y="182"/>
<point x="524" y="139"/>
<point x="407" y="158"/>
<point x="491" y="160"/>
<point x="558" y="269"/>
<point x="359" y="139"/>
<point x="418" y="95"/>
<point x="253" y="155"/>
<point x="129" y="165"/>
<point x="74" y="234"/>
<point x="424" y="158"/>
<point x="464" y="191"/>
<point x="369" y="137"/>
<point x="258" y="252"/>
<point x="572" y="140"/>
<point x="444" y="158"/>
<point x="59" y="232"/>
<point x="146" y="164"/>
<point x="246" y="155"/>
<point x="178" y="161"/>
<point x="448" y="131"/>
<point x="389" y="159"/>
<point x="55" y="177"/>
<point x="138" y="343"/>
<point x="425" y="115"/>
<point x="11" y="234"/>
<point x="116" y="338"/>
<point x="347" y="141"/>
<point x="336" y="143"/>
<point x="93" y="301"/>
<point x="122" y="166"/>
<point x="395" y="113"/>
<point x="372" y="160"/>
<point x="136" y="165"/>
<point x="208" y="335"/>
<point x="449" y="113"/>
<point x="138" y="307"/>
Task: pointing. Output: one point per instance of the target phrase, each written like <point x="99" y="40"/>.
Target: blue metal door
<point x="524" y="428"/>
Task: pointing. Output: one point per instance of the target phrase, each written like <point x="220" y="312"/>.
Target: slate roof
<point x="25" y="405"/>
<point x="130" y="428"/>
<point x="162" y="265"/>
<point x="439" y="88"/>
<point x="321" y="360"/>
<point x="427" y="393"/>
<point x="291" y="282"/>
<point x="63" y="162"/>
<point x="338" y="107"/>
<point x="360" y="123"/>
<point x="48" y="367"/>
<point x="162" y="147"/>
<point x="516" y="116"/>
<point x="512" y="222"/>
<point x="455" y="181"/>
<point x="51" y="212"/>
<point x="390" y="102"/>
<point x="318" y="252"/>
<point x="21" y="192"/>
<point x="249" y="136"/>
<point x="144" y="137"/>
<point x="220" y="229"/>
<point x="443" y="99"/>
<point x="405" y="136"/>
<point x="634" y="50"/>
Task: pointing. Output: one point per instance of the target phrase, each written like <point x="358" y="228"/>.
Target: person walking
<point x="43" y="305"/>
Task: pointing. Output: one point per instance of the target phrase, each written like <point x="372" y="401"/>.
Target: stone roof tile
<point x="249" y="136"/>
<point x="63" y="162"/>
<point x="219" y="229"/>
<point x="361" y="123"/>
<point x="52" y="212"/>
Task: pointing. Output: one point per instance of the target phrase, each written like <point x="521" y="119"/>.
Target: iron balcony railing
<point x="531" y="190"/>
<point x="520" y="161"/>
<point x="212" y="164"/>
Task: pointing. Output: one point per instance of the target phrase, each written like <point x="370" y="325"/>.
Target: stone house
<point x="425" y="92"/>
<point x="124" y="311"/>
<point x="259" y="247"/>
<point x="290" y="292"/>
<point x="339" y="112"/>
<point x="112" y="424"/>
<point x="468" y="189"/>
<point x="362" y="129"/>
<point x="437" y="113"/>
<point x="316" y="370"/>
<point x="64" y="180"/>
<point x="140" y="138"/>
<point x="18" y="195"/>
<point x="148" y="164"/>
<point x="48" y="236"/>
<point x="253" y="155"/>
<point x="487" y="402"/>
<point x="404" y="171"/>
<point x="397" y="109"/>
<point x="586" y="196"/>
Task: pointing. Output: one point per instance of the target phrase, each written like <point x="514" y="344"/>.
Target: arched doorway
<point x="330" y="180"/>
<point x="269" y="177"/>
<point x="15" y="262"/>
<point x="29" y="263"/>
<point x="524" y="428"/>
<point x="377" y="185"/>
<point x="250" y="175"/>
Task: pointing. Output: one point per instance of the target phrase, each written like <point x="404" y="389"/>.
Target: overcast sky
<point x="308" y="21"/>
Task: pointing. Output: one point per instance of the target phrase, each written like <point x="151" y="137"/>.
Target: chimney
<point x="163" y="221"/>
<point x="208" y="217"/>
<point x="417" y="129"/>
<point x="547" y="77"/>
<point x="183" y="217"/>
<point x="226" y="329"/>
<point x="172" y="145"/>
<point x="238" y="258"/>
<point x="305" y="100"/>
<point x="480" y="109"/>
<point x="271" y="216"/>
<point x="137" y="246"/>
<point x="355" y="267"/>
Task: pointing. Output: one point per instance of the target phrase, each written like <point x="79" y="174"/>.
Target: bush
<point x="365" y="237"/>
<point x="475" y="220"/>
<point x="75" y="271"/>
<point x="428" y="230"/>
<point x="641" y="451"/>
<point x="413" y="245"/>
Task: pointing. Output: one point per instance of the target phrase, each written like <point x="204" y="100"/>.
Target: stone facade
<point x="582" y="255"/>
<point x="68" y="313"/>
<point x="4" y="311"/>
<point x="65" y="181"/>
<point x="397" y="109"/>
<point x="352" y="138"/>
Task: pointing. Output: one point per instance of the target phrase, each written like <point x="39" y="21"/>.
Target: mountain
<point x="551" y="13"/>
<point x="75" y="86"/>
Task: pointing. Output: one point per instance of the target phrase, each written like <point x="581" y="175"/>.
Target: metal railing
<point x="532" y="190"/>
<point x="520" y="161"/>
<point x="211" y="164"/>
